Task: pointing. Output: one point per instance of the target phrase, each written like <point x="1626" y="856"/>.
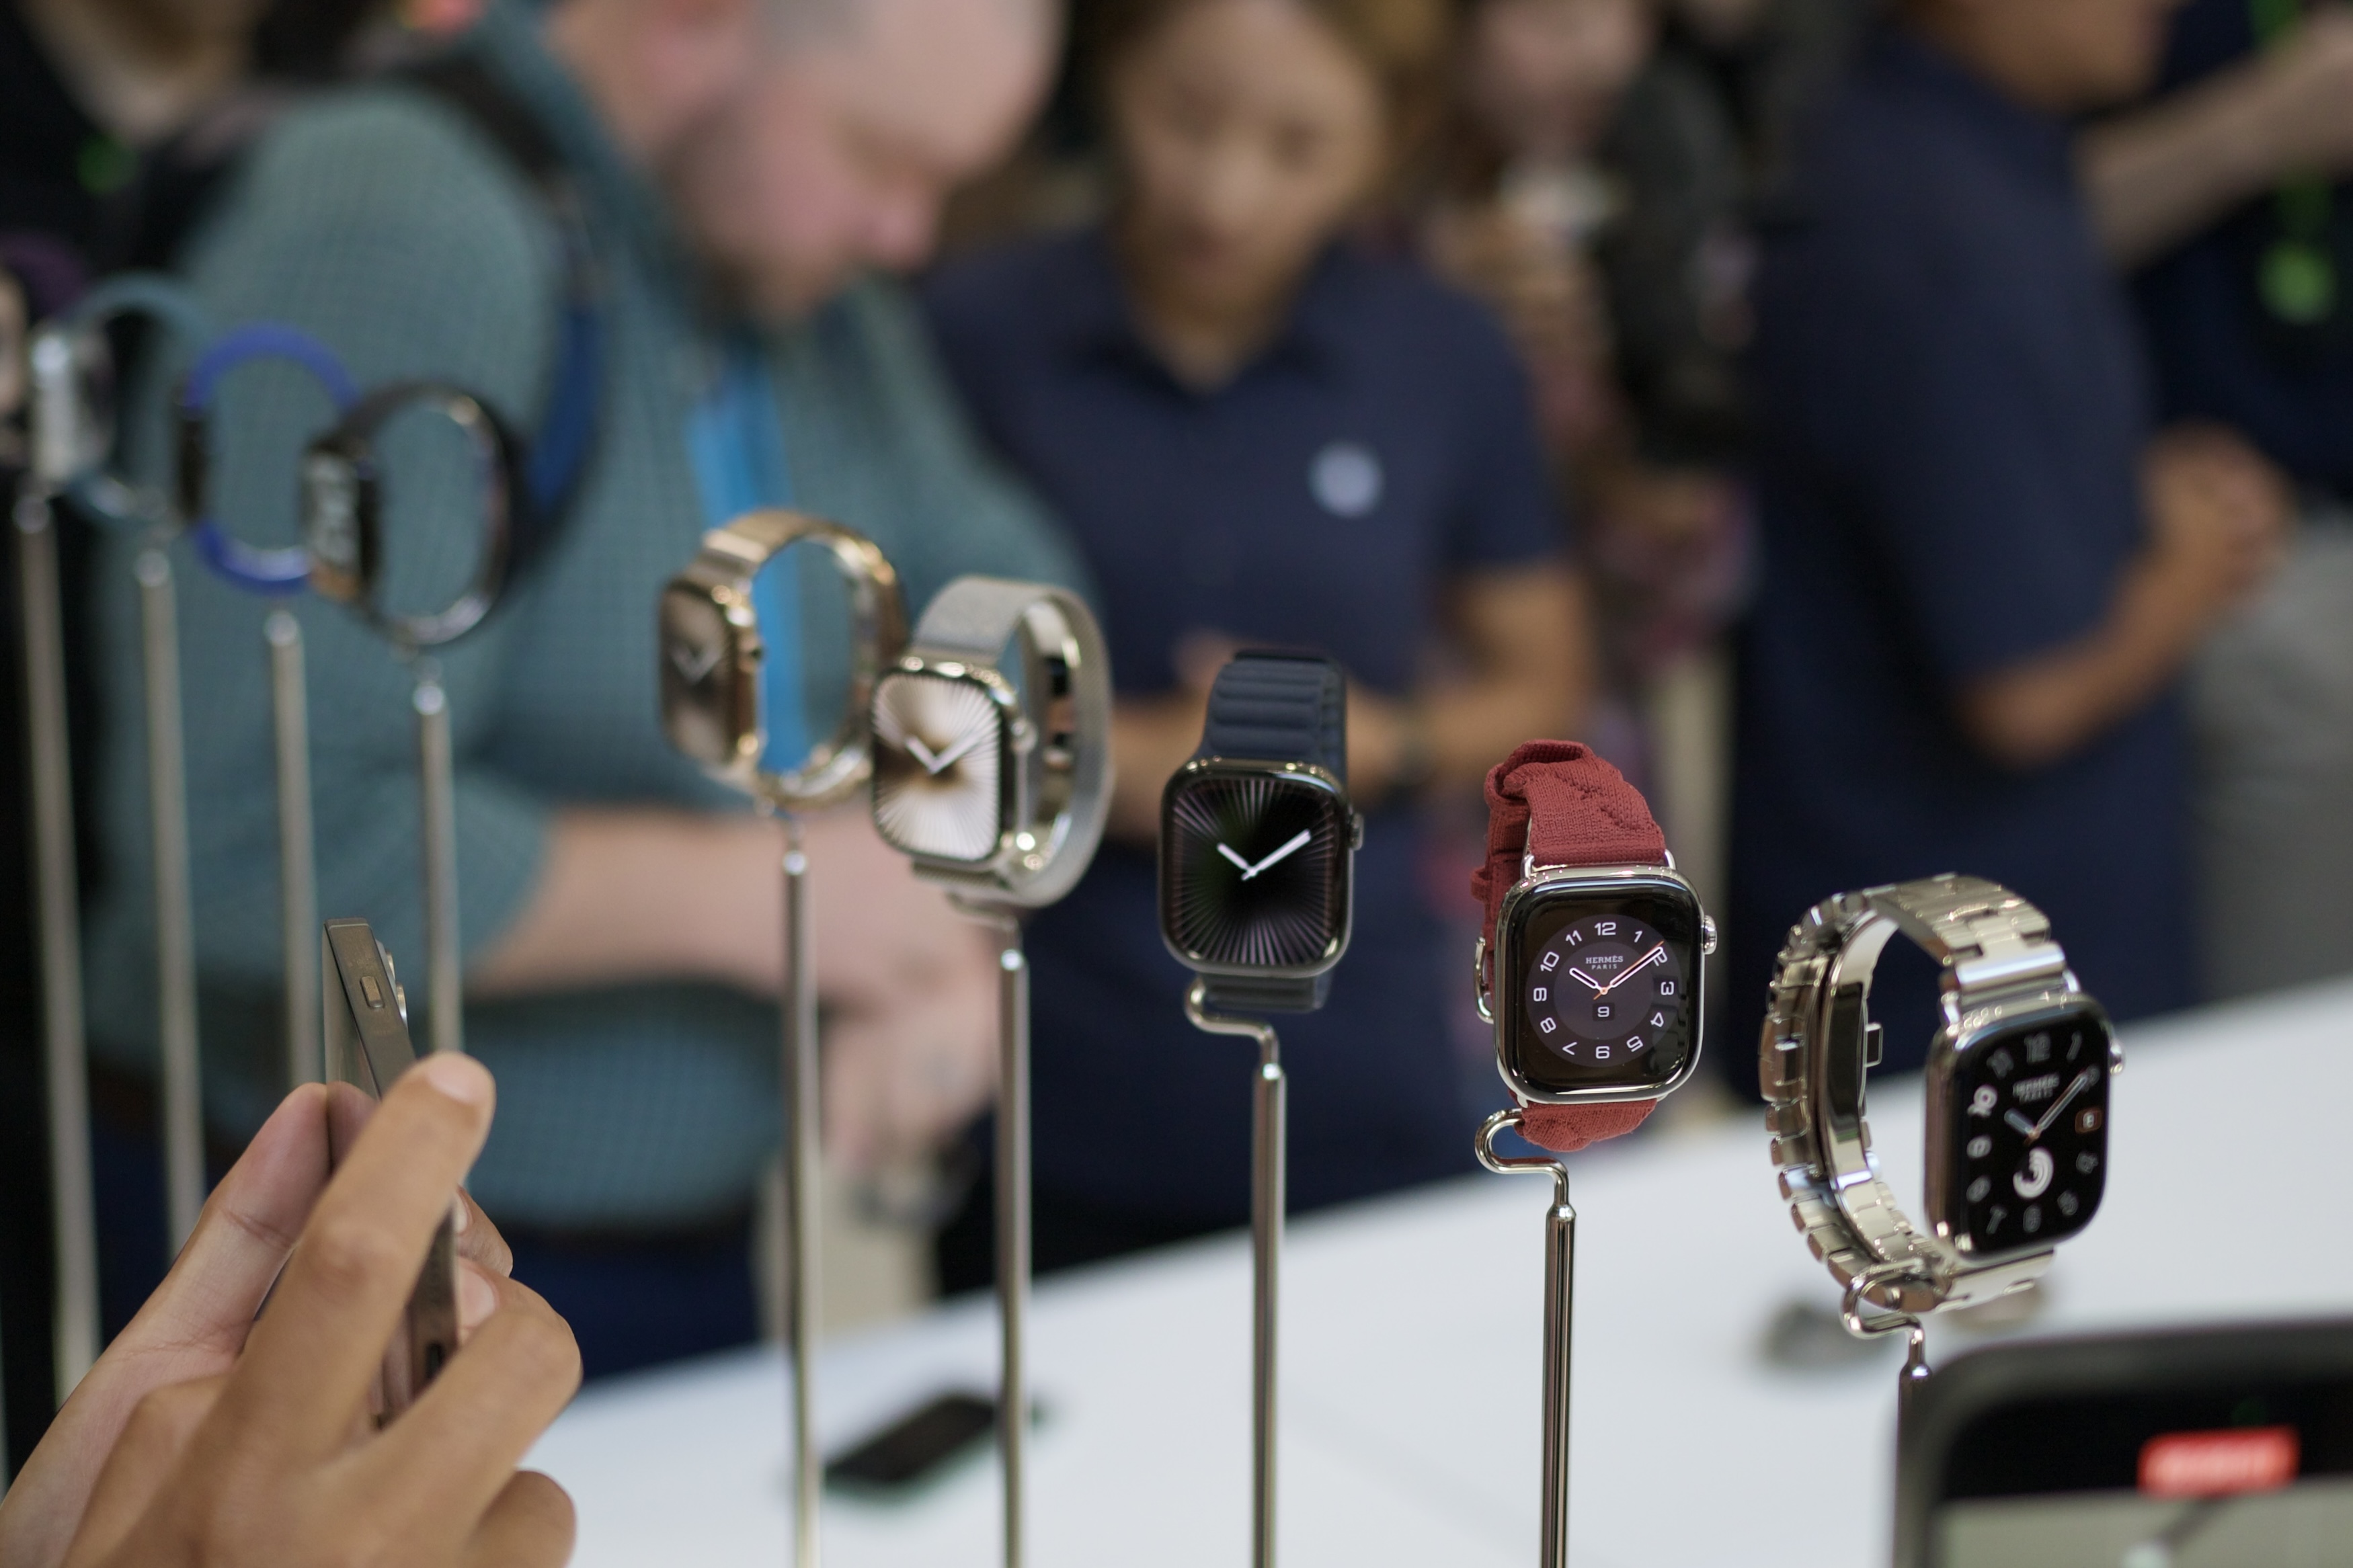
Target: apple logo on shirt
<point x="1345" y="478"/>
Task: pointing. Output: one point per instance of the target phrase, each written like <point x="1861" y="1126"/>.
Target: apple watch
<point x="72" y="369"/>
<point x="343" y="510"/>
<point x="712" y="653"/>
<point x="2017" y="1089"/>
<point x="1590" y="968"/>
<point x="994" y="778"/>
<point x="1257" y="838"/>
<point x="268" y="570"/>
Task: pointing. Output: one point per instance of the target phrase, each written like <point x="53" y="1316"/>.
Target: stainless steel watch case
<point x="1306" y="773"/>
<point x="1540" y="886"/>
<point x="712" y="653"/>
<point x="1017" y="737"/>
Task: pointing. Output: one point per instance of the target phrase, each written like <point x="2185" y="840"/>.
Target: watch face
<point x="704" y="709"/>
<point x="1254" y="865"/>
<point x="333" y="529"/>
<point x="939" y="754"/>
<point x="1598" y="990"/>
<point x="2028" y="1141"/>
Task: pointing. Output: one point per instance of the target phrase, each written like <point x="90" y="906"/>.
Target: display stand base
<point x="1560" y="1287"/>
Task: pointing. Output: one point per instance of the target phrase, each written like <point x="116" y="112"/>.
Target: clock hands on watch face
<point x="1657" y="955"/>
<point x="694" y="663"/>
<point x="935" y="764"/>
<point x="2035" y="1129"/>
<point x="1298" y="841"/>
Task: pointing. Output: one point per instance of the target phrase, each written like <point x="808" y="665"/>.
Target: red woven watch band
<point x="1556" y="800"/>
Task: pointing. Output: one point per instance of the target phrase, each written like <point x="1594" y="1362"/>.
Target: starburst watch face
<point x="939" y="756"/>
<point x="1254" y="868"/>
<point x="2027" y="1147"/>
<point x="704" y="706"/>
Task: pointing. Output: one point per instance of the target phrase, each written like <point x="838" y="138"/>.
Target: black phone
<point x="916" y="1447"/>
<point x="367" y="1048"/>
<point x="2180" y="1448"/>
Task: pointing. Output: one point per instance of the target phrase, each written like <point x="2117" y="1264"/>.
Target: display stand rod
<point x="799" y="1073"/>
<point x="298" y="876"/>
<point x="444" y="979"/>
<point x="175" y="920"/>
<point x="1268" y="1120"/>
<point x="1560" y="1300"/>
<point x="1013" y="1249"/>
<point x="73" y="1212"/>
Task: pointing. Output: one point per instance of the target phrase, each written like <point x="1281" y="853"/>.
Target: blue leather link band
<point x="1273" y="707"/>
<point x="283" y="571"/>
<point x="1280" y="707"/>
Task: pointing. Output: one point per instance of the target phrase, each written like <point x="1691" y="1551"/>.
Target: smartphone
<point x="2187" y="1448"/>
<point x="916" y="1447"/>
<point x="367" y="1048"/>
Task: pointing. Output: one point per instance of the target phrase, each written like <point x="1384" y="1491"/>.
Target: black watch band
<point x="1274" y="707"/>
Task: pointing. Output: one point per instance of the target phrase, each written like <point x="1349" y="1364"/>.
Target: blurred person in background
<point x="1262" y="434"/>
<point x="115" y="116"/>
<point x="1985" y="568"/>
<point x="2230" y="193"/>
<point x="739" y="165"/>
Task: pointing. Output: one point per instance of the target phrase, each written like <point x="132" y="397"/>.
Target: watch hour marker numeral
<point x="1601" y="1053"/>
<point x="1541" y="994"/>
<point x="1658" y="1020"/>
<point x="2002" y="1063"/>
<point x="1633" y="1042"/>
<point x="1980" y="1146"/>
<point x="1551" y="962"/>
<point x="1546" y="1024"/>
<point x="1575" y="938"/>
<point x="1979" y="1188"/>
<point x="2068" y="1203"/>
<point x="2087" y="1162"/>
<point x="2032" y="1218"/>
<point x="1666" y="987"/>
<point x="1605" y="928"/>
<point x="2038" y="1047"/>
<point x="1994" y="1216"/>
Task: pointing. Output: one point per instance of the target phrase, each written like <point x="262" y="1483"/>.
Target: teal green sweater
<point x="381" y="222"/>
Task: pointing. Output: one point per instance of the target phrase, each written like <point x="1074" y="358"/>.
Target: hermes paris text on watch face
<point x="1601" y="988"/>
<point x="939" y="761"/>
<point x="1254" y="867"/>
<point x="2027" y="1150"/>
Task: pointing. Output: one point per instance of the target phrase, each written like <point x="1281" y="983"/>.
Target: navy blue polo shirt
<point x="1379" y="448"/>
<point x="1953" y="411"/>
<point x="2219" y="353"/>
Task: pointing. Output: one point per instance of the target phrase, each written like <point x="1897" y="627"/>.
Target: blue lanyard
<point x="735" y="439"/>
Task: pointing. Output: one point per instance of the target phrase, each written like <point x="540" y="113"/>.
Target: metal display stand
<point x="1268" y="1126"/>
<point x="1560" y="1288"/>
<point x="73" y="438"/>
<point x="298" y="873"/>
<point x="712" y="707"/>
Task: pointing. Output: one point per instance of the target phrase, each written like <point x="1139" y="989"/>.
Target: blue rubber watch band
<point x="281" y="571"/>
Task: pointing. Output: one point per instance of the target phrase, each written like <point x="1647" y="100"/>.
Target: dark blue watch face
<point x="2028" y="1143"/>
<point x="1254" y="868"/>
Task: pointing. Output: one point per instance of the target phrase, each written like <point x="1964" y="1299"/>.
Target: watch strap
<point x="1247" y="994"/>
<point x="1565" y="1128"/>
<point x="1554" y="803"/>
<point x="1270" y="706"/>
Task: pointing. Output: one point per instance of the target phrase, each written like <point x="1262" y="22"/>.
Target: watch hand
<point x="1649" y="959"/>
<point x="1302" y="836"/>
<point x="1599" y="989"/>
<point x="922" y="753"/>
<point x="1237" y="859"/>
<point x="954" y="753"/>
<point x="694" y="664"/>
<point x="2022" y="1124"/>
<point x="2083" y="1080"/>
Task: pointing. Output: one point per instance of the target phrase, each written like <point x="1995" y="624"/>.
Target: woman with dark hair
<point x="1261" y="434"/>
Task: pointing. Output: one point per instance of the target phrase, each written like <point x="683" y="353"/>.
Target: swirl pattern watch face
<point x="1254" y="868"/>
<point x="1599" y="989"/>
<point x="2028" y="1143"/>
<point x="939" y="755"/>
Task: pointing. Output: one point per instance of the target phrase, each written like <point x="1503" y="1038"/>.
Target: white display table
<point x="1411" y="1354"/>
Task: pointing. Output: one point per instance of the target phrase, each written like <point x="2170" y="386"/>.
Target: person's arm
<point x="206" y="1434"/>
<point x="2157" y="175"/>
<point x="2218" y="515"/>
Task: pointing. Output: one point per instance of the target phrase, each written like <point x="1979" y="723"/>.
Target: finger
<point x="531" y="1524"/>
<point x="153" y="1443"/>
<point x="444" y="1461"/>
<point x="478" y="1238"/>
<point x="312" y="1355"/>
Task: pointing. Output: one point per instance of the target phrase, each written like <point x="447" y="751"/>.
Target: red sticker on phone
<point x="2217" y="1463"/>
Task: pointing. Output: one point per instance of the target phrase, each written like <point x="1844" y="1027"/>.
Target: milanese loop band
<point x="1994" y="946"/>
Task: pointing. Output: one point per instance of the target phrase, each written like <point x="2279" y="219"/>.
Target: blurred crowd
<point x="1905" y="439"/>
